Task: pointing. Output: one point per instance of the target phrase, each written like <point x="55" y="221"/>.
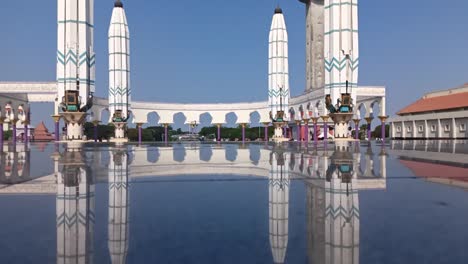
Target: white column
<point x="383" y="106"/>
<point x="414" y="129"/>
<point x="426" y="129"/>
<point x="454" y="128"/>
<point x="403" y="129"/>
<point x="392" y="130"/>
<point x="278" y="72"/>
<point x="439" y="129"/>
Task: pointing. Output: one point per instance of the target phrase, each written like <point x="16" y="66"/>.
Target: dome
<point x="118" y="4"/>
<point x="278" y="10"/>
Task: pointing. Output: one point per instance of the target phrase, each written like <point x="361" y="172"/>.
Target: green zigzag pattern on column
<point x="118" y="185"/>
<point x="341" y="211"/>
<point x="119" y="91"/>
<point x="74" y="218"/>
<point x="73" y="58"/>
<point x="340" y="65"/>
<point x="277" y="93"/>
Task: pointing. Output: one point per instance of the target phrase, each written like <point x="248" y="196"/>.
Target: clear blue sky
<point x="216" y="51"/>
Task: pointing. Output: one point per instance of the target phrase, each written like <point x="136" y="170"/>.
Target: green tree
<point x="105" y="132"/>
<point x="7" y="134"/>
<point x="377" y="133"/>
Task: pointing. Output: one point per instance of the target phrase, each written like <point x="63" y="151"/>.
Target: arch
<point x="254" y="154"/>
<point x="206" y="119"/>
<point x="254" y="118"/>
<point x="179" y="153"/>
<point x="152" y="154"/>
<point x="292" y="113"/>
<point x="318" y="108"/>
<point x="180" y="121"/>
<point x="205" y="153"/>
<point x="374" y="105"/>
<point x="301" y="112"/>
<point x="231" y="119"/>
<point x="231" y="152"/>
<point x="105" y="116"/>
<point x="153" y="119"/>
<point x="362" y="111"/>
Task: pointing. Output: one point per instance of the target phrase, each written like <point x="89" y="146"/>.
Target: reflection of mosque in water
<point x="333" y="178"/>
<point x="75" y="205"/>
<point x="15" y="164"/>
<point x="332" y="202"/>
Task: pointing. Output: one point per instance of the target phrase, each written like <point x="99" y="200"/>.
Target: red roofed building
<point x="437" y="115"/>
<point x="42" y="134"/>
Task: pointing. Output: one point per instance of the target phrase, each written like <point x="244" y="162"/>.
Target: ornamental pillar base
<point x="74" y="121"/>
<point x="341" y="121"/>
<point x="279" y="132"/>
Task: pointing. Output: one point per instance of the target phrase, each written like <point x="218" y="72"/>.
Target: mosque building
<point x="437" y="115"/>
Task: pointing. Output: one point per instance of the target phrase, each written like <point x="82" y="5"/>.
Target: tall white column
<point x="342" y="217"/>
<point x="315" y="68"/>
<point x="341" y="47"/>
<point x="74" y="209"/>
<point x="278" y="72"/>
<point x="278" y="186"/>
<point x="75" y="62"/>
<point x="118" y="225"/>
<point x="119" y="69"/>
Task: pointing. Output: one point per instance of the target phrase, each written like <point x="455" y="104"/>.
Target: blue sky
<point x="216" y="51"/>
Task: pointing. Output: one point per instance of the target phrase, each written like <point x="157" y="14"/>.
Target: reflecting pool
<point x="404" y="202"/>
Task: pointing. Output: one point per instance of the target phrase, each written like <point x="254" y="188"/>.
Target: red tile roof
<point x="432" y="170"/>
<point x="428" y="104"/>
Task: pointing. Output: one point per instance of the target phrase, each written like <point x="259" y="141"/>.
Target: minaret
<point x="119" y="70"/>
<point x="118" y="225"/>
<point x="278" y="73"/>
<point x="315" y="67"/>
<point x="278" y="186"/>
<point x="341" y="48"/>
<point x="342" y="217"/>
<point x="75" y="207"/>
<point x="75" y="63"/>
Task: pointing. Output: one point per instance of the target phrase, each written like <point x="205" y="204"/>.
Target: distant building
<point x="437" y="115"/>
<point x="42" y="134"/>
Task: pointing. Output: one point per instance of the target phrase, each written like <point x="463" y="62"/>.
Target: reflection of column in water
<point x="118" y="206"/>
<point x="279" y="206"/>
<point x="315" y="224"/>
<point x="342" y="211"/>
<point x="75" y="209"/>
<point x="14" y="164"/>
<point x="333" y="211"/>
